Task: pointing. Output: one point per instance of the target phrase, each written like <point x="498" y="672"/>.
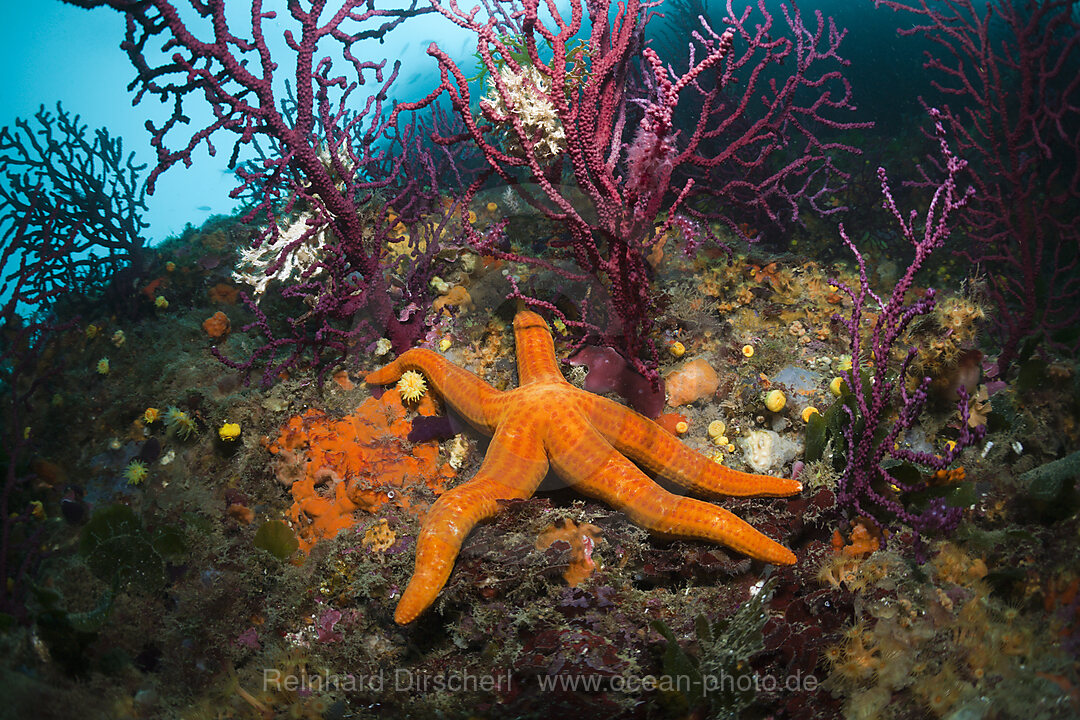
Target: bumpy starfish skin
<point x="584" y="438"/>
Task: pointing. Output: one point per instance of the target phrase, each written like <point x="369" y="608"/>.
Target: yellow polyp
<point x="775" y="400"/>
<point x="717" y="428"/>
<point x="229" y="431"/>
<point x="411" y="385"/>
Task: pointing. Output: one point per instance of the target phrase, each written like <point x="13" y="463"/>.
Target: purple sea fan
<point x="628" y="187"/>
<point x="874" y="446"/>
<point x="330" y="177"/>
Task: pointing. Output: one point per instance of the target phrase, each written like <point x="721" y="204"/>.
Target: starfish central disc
<point x="586" y="439"/>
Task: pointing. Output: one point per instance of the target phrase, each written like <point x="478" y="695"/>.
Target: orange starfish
<point x="547" y="422"/>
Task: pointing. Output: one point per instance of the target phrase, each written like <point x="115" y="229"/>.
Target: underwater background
<point x="826" y="252"/>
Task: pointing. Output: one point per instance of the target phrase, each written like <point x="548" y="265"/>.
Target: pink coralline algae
<point x="249" y="639"/>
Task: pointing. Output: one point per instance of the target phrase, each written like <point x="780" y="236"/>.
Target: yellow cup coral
<point x="136" y="472"/>
<point x="717" y="428"/>
<point x="411" y="386"/>
<point x="180" y="422"/>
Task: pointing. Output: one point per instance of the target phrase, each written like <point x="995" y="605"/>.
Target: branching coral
<point x="71" y="209"/>
<point x="874" y="441"/>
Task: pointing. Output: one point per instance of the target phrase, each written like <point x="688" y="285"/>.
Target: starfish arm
<point x="582" y="456"/>
<point x="514" y="466"/>
<point x="658" y="451"/>
<point x="535" y="350"/>
<point x="472" y="398"/>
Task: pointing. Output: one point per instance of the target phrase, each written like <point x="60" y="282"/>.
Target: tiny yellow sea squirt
<point x="229" y="431"/>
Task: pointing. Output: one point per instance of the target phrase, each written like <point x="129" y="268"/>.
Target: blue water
<point x="51" y="51"/>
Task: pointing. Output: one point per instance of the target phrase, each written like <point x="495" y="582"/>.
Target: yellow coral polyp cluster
<point x="857" y="657"/>
<point x="179" y="422"/>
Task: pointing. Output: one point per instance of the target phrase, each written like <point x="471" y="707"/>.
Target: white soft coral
<point x="252" y="266"/>
<point x="526" y="96"/>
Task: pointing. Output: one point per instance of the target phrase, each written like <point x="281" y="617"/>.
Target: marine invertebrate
<point x="179" y="422"/>
<point x="613" y="121"/>
<point x="135" y="472"/>
<point x="337" y="467"/>
<point x="217" y="325"/>
<point x="869" y="485"/>
<point x="582" y="538"/>
<point x="379" y="537"/>
<point x="333" y="171"/>
<point x="862" y="541"/>
<point x="229" y="431"/>
<point x="411" y="385"/>
<point x="546" y="422"/>
<point x="1014" y="107"/>
<point x="70" y="212"/>
<point x="524" y="96"/>
<point x="766" y="450"/>
<point x="609" y="372"/>
<point x="691" y="382"/>
<point x="775" y="400"/>
<point x="716" y="430"/>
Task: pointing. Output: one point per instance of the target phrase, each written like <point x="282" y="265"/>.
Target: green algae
<point x="276" y="538"/>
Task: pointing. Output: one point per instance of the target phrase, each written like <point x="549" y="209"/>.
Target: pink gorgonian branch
<point x="328" y="183"/>
<point x="597" y="108"/>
